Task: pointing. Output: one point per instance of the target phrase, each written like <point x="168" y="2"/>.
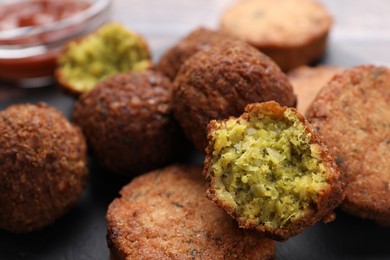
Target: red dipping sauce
<point x="38" y="12"/>
<point x="33" y="33"/>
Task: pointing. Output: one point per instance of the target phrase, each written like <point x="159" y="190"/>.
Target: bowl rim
<point x="96" y="7"/>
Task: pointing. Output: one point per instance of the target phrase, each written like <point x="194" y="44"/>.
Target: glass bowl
<point x="28" y="54"/>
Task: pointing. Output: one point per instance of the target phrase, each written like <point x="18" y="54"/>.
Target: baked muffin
<point x="219" y="82"/>
<point x="307" y="82"/>
<point x="43" y="166"/>
<point x="199" y="39"/>
<point x="352" y="114"/>
<point x="165" y="215"/>
<point x="270" y="171"/>
<point x="110" y="50"/>
<point x="128" y="122"/>
<point x="291" y="32"/>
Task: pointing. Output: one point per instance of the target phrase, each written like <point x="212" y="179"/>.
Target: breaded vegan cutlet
<point x="270" y="171"/>
<point x="199" y="39"/>
<point x="128" y="122"/>
<point x="219" y="82"/>
<point x="352" y="114"/>
<point x="164" y="214"/>
<point x="43" y="166"/>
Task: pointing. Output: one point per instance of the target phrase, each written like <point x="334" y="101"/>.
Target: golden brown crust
<point x="352" y="115"/>
<point x="219" y="82"/>
<point x="199" y="39"/>
<point x="165" y="215"/>
<point x="326" y="201"/>
<point x="127" y="118"/>
<point x="64" y="85"/>
<point x="307" y="82"/>
<point x="43" y="167"/>
<point x="292" y="33"/>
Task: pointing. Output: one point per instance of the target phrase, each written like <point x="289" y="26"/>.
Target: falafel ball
<point x="128" y="121"/>
<point x="219" y="82"/>
<point x="352" y="114"/>
<point x="43" y="166"/>
<point x="270" y="171"/>
<point x="164" y="214"/>
<point x="199" y="39"/>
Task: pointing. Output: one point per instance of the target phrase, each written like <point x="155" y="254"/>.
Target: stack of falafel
<point x="211" y="89"/>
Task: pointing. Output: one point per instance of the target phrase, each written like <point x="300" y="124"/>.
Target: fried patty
<point x="219" y="82"/>
<point x="164" y="214"/>
<point x="43" y="166"/>
<point x="270" y="171"/>
<point x="199" y="39"/>
<point x="128" y="122"/>
<point x="292" y="33"/>
<point x="352" y="114"/>
<point x="307" y="82"/>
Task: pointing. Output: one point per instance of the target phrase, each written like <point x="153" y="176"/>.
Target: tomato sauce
<point x="35" y="13"/>
<point x="32" y="13"/>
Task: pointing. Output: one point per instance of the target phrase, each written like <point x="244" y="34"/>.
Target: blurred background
<point x="361" y="28"/>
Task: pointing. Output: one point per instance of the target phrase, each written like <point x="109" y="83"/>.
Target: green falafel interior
<point x="110" y="50"/>
<point x="266" y="168"/>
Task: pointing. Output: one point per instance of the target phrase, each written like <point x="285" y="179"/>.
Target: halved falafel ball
<point x="199" y="39"/>
<point x="43" y="166"/>
<point x="128" y="121"/>
<point x="219" y="82"/>
<point x="110" y="50"/>
<point x="165" y="214"/>
<point x="352" y="115"/>
<point x="270" y="171"/>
